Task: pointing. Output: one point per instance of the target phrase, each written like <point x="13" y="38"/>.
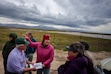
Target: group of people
<point x="17" y="52"/>
<point x="78" y="62"/>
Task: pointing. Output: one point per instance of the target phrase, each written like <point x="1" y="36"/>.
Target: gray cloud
<point x="90" y="11"/>
<point x="11" y="10"/>
<point x="77" y="12"/>
<point x="22" y="13"/>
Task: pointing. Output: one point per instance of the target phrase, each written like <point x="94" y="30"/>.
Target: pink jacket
<point x="44" y="55"/>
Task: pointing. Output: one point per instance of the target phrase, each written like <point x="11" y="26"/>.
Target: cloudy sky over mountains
<point x="85" y="15"/>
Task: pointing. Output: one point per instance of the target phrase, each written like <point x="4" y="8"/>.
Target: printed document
<point x="37" y="65"/>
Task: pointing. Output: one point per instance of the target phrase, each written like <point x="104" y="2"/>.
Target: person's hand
<point x="34" y="69"/>
<point x="28" y="62"/>
<point x="32" y="63"/>
<point x="25" y="36"/>
<point x="43" y="65"/>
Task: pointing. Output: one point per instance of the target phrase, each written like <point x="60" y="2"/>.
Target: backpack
<point x="62" y="68"/>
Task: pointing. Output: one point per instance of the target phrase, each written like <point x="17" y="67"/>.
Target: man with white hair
<point x="16" y="60"/>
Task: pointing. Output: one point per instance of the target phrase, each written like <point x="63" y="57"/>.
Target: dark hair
<point x="29" y="33"/>
<point x="13" y="35"/>
<point x="85" y="44"/>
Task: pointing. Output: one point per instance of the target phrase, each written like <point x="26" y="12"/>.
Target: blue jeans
<point x="30" y="56"/>
<point x="45" y="71"/>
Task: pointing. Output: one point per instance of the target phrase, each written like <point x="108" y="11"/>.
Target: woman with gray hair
<point x="90" y="57"/>
<point x="77" y="63"/>
<point x="87" y="52"/>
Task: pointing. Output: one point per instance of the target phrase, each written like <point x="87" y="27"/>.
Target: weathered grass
<point x="58" y="40"/>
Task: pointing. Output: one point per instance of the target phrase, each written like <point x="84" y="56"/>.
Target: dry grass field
<point x="100" y="48"/>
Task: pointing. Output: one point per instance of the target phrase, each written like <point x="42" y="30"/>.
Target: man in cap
<point x="45" y="53"/>
<point x="9" y="45"/>
<point x="16" y="60"/>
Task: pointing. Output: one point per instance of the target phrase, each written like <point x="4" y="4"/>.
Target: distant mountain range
<point x="36" y="27"/>
<point x="24" y="26"/>
<point x="44" y="28"/>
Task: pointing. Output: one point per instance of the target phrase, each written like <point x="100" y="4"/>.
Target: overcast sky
<point x="86" y="15"/>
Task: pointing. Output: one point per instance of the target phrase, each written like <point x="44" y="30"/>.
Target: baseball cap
<point x="76" y="47"/>
<point x="21" y="41"/>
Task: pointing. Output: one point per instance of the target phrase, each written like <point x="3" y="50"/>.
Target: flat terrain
<point x="60" y="58"/>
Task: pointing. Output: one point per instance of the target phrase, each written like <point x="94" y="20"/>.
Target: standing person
<point x="45" y="53"/>
<point x="77" y="62"/>
<point x="16" y="60"/>
<point x="90" y="58"/>
<point x="87" y="52"/>
<point x="9" y="45"/>
<point x="30" y="50"/>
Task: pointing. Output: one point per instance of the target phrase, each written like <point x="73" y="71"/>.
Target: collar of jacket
<point x="42" y="46"/>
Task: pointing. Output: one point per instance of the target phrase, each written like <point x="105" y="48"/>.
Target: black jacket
<point x="9" y="45"/>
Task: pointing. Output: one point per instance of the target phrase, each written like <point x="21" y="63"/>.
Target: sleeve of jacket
<point x="32" y="44"/>
<point x="50" y="57"/>
<point x="3" y="50"/>
<point x="72" y="69"/>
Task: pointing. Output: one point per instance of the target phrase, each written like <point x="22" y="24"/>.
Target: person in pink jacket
<point x="45" y="53"/>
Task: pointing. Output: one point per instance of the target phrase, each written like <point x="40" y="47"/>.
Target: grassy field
<point x="59" y="41"/>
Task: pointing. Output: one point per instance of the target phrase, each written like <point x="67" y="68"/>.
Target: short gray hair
<point x="19" y="45"/>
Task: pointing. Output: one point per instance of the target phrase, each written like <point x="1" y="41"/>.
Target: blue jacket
<point x="30" y="49"/>
<point x="77" y="65"/>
